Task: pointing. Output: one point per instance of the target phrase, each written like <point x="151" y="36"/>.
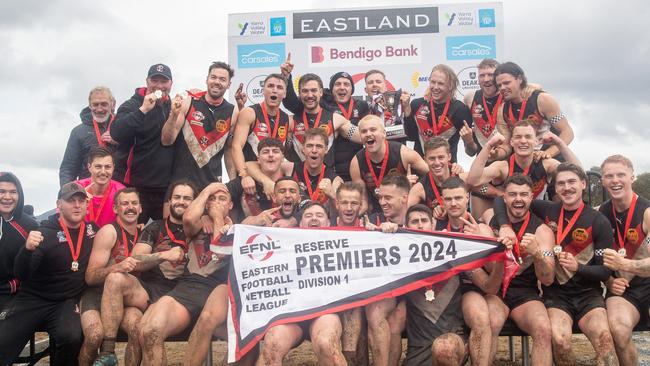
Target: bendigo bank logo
<point x="317" y="54"/>
<point x="259" y="247"/>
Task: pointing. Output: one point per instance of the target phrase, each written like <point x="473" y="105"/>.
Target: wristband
<point x="548" y="253"/>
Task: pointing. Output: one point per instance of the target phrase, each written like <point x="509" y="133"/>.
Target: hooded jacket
<point x="150" y="163"/>
<point x="82" y="139"/>
<point x="13" y="233"/>
<point x="46" y="272"/>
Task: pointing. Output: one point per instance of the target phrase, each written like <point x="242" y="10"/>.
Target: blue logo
<point x="278" y="26"/>
<point x="486" y="18"/>
<point x="471" y="47"/>
<point x="251" y="56"/>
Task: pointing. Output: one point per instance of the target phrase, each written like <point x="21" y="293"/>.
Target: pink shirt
<point x="106" y="216"/>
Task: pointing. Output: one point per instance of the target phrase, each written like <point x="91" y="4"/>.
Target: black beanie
<point x="338" y="75"/>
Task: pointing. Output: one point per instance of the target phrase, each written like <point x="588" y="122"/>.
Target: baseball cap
<point x="160" y="69"/>
<point x="71" y="189"/>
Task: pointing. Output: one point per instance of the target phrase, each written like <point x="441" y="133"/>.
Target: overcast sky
<point x="593" y="56"/>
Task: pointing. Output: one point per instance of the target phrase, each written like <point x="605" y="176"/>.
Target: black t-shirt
<point x="162" y="235"/>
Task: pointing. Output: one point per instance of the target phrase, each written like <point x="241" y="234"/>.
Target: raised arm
<point x="192" y="216"/>
<point x="345" y="128"/>
<point x="480" y="174"/>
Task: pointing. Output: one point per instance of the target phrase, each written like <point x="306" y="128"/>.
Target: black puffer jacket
<point x="82" y="139"/>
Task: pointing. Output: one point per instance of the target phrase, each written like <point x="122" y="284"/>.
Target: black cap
<point x="341" y="74"/>
<point x="71" y="189"/>
<point x="160" y="69"/>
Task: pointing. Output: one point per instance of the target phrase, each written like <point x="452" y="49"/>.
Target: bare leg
<point x="561" y="329"/>
<point x="91" y="325"/>
<point x="477" y="318"/>
<point x="325" y="332"/>
<point x="532" y="318"/>
<point x="397" y="324"/>
<point x="214" y="314"/>
<point x="448" y="350"/>
<point x="351" y="321"/>
<point x="498" y="315"/>
<point x="164" y="318"/>
<point x="622" y="317"/>
<point x="378" y="329"/>
<point x="278" y="341"/>
<point x="131" y="325"/>
<point x="594" y="325"/>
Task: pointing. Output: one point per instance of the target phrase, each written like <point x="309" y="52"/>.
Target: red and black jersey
<point x="302" y="122"/>
<point x="345" y="149"/>
<point x="432" y="191"/>
<point x="586" y="240"/>
<point x="394" y="166"/>
<point x="201" y="142"/>
<point x="163" y="235"/>
<point x="535" y="171"/>
<point x="526" y="277"/>
<point x="209" y="253"/>
<point x="484" y="114"/>
<point x="278" y="127"/>
<point x="513" y="113"/>
<point x="449" y="117"/>
<point x="311" y="183"/>
<point x="636" y="240"/>
<point x="121" y="251"/>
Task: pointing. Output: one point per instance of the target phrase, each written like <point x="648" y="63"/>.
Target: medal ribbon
<point x="492" y="116"/>
<point x="347" y="114"/>
<point x="520" y="234"/>
<point x="125" y="243"/>
<point x="80" y="239"/>
<point x="310" y="190"/>
<point x="628" y="221"/>
<point x="383" y="166"/>
<point x="268" y="124"/>
<point x="95" y="215"/>
<point x="98" y="135"/>
<point x="460" y="229"/>
<point x="172" y="237"/>
<point x="316" y="121"/>
<point x="435" y="190"/>
<point x="561" y="234"/>
<point x="511" y="166"/>
<point x="436" y="124"/>
<point x="522" y="110"/>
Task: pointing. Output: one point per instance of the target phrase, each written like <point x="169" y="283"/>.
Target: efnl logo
<point x="278" y="26"/>
<point x="250" y="56"/>
<point x="486" y="18"/>
<point x="471" y="47"/>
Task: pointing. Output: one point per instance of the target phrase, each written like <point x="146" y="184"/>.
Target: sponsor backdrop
<point x="405" y="43"/>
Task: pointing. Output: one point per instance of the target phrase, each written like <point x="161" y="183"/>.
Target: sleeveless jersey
<point x="201" y="144"/>
<point x="537" y="174"/>
<point x="393" y="167"/>
<point x="119" y="253"/>
<point x="300" y="126"/>
<point x="207" y="254"/>
<point x="430" y="198"/>
<point x="259" y="131"/>
<point x="484" y="115"/>
<point x="157" y="236"/>
<point x="636" y="240"/>
<point x="419" y="126"/>
<point x="299" y="176"/>
<point x="512" y="113"/>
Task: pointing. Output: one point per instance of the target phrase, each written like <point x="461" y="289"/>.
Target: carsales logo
<point x="379" y="52"/>
<point x="259" y="247"/>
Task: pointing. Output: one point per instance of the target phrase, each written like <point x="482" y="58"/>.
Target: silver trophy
<point x="387" y="106"/>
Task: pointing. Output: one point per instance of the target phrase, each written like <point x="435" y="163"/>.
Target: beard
<point x="101" y="119"/>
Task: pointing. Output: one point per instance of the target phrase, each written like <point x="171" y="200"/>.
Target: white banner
<point x="403" y="42"/>
<point x="281" y="276"/>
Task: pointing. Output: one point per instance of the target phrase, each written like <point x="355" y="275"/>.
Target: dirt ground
<point x="304" y="356"/>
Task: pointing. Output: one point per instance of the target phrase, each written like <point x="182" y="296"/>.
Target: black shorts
<point x="639" y="296"/>
<point x="91" y="299"/>
<point x="192" y="291"/>
<point x="575" y="303"/>
<point x="516" y="296"/>
<point x="421" y="355"/>
<point x="158" y="288"/>
<point x="466" y="287"/>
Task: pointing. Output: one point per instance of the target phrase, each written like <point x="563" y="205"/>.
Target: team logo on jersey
<point x="262" y="127"/>
<point x="198" y="116"/>
<point x="580" y="235"/>
<point x="424" y="111"/>
<point x="302" y="186"/>
<point x="326" y="128"/>
<point x="60" y="235"/>
<point x="478" y="109"/>
<point x="428" y="133"/>
<point x="282" y="132"/>
<point x="221" y="126"/>
<point x="632" y="236"/>
<point x="539" y="185"/>
<point x="90" y="232"/>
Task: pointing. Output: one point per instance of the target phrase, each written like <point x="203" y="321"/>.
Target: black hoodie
<point x="150" y="166"/>
<point x="13" y="233"/>
<point x="82" y="139"/>
<point x="47" y="271"/>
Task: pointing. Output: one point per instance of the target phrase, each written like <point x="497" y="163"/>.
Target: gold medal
<point x="429" y="295"/>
